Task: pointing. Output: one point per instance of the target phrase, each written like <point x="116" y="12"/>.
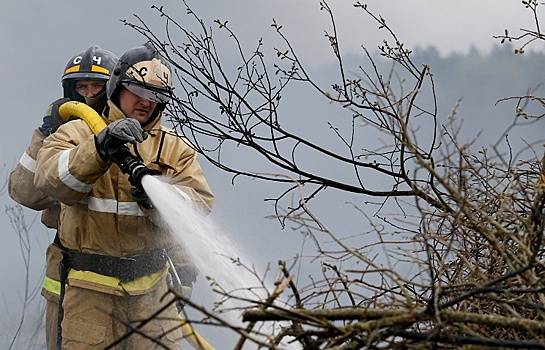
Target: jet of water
<point x="209" y="246"/>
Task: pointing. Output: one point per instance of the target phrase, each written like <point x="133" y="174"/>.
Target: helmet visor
<point x="148" y="92"/>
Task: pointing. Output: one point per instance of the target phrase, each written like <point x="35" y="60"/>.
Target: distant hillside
<point x="482" y="79"/>
<point x="479" y="80"/>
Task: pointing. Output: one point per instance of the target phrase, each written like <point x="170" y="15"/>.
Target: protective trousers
<point x="94" y="320"/>
<point x="51" y="313"/>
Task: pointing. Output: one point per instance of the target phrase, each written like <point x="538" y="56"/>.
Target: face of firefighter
<point x="136" y="107"/>
<point x="89" y="87"/>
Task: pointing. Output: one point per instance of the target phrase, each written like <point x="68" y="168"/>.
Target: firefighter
<point x="115" y="260"/>
<point x="84" y="79"/>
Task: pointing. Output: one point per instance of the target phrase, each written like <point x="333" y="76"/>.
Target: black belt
<point x="126" y="268"/>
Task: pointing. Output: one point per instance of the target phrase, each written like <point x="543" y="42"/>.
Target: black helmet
<point x="142" y="71"/>
<point x="93" y="63"/>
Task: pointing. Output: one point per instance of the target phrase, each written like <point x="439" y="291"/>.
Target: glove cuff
<point x="100" y="152"/>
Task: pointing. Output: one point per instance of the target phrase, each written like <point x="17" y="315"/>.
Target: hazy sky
<point x="38" y="36"/>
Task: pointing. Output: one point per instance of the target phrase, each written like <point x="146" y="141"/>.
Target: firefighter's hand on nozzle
<point x="52" y="120"/>
<point x="117" y="134"/>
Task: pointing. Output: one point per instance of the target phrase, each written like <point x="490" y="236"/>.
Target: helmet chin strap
<point x="98" y="101"/>
<point x="156" y="113"/>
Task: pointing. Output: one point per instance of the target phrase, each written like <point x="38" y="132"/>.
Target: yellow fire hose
<point x="96" y="123"/>
<point x="77" y="109"/>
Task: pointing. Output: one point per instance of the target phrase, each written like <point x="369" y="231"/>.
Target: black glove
<point x="141" y="198"/>
<point x="52" y="120"/>
<point x="117" y="134"/>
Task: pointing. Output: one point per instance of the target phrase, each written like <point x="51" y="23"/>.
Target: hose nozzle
<point x="132" y="166"/>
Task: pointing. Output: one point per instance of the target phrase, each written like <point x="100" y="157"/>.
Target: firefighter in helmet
<point x="84" y="79"/>
<point x="115" y="252"/>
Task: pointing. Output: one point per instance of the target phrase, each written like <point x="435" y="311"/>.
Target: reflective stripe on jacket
<point x="21" y="184"/>
<point x="51" y="286"/>
<point x="98" y="213"/>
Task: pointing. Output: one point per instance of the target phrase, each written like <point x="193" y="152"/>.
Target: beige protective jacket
<point x="98" y="214"/>
<point x="21" y="184"/>
<point x="22" y="190"/>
